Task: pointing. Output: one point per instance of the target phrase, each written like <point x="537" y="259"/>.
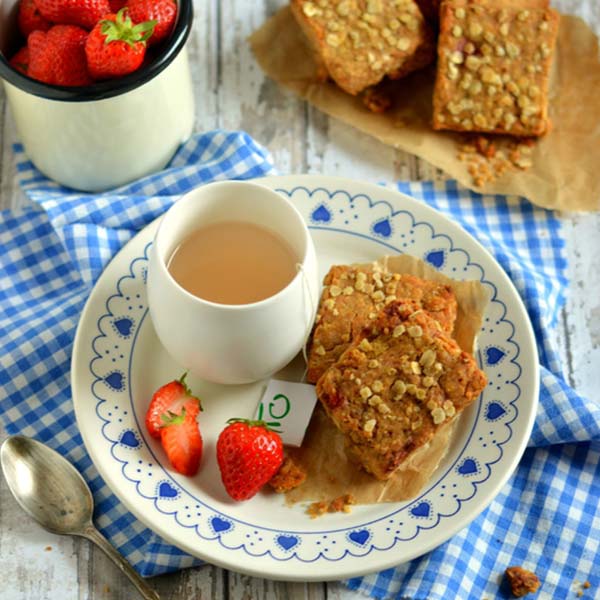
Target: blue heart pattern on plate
<point x="220" y="525"/>
<point x="383" y="228"/>
<point x="359" y="537"/>
<point x="421" y="510"/>
<point x="321" y="214"/>
<point x="494" y="355"/>
<point x="123" y="326"/>
<point x="116" y="381"/>
<point x="468" y="467"/>
<point x="166" y="490"/>
<point x="436" y="258"/>
<point x="287" y="542"/>
<point x="494" y="411"/>
<point x="129" y="438"/>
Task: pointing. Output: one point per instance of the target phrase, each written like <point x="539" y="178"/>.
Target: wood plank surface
<point x="232" y="93"/>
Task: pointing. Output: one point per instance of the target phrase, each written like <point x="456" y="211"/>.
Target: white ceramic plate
<point x="118" y="362"/>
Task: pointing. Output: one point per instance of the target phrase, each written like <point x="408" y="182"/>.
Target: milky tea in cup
<point x="233" y="282"/>
<point x="233" y="262"/>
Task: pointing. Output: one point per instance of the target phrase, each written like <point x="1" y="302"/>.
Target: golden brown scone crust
<point x="362" y="41"/>
<point x="493" y="68"/>
<point x="352" y="297"/>
<point x="400" y="380"/>
<point x="431" y="8"/>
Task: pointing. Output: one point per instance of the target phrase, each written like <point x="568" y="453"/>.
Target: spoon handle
<point x="92" y="534"/>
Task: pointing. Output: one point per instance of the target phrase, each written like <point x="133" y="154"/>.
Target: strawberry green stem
<point x="122" y="29"/>
<point x="171" y="418"/>
<point x="266" y="424"/>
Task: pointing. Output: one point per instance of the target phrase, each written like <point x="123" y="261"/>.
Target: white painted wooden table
<point x="232" y="93"/>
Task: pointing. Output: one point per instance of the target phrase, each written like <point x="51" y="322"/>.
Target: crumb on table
<point x="489" y="157"/>
<point x="522" y="581"/>
<point x="586" y="585"/>
<point x="289" y="476"/>
<point x="376" y="99"/>
<point x="339" y="504"/>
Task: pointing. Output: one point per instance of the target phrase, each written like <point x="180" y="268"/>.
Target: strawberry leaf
<point x="264" y="424"/>
<point x="145" y="30"/>
<point x="188" y="391"/>
<point x="122" y="29"/>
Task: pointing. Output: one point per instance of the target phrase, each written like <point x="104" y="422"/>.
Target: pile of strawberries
<point x="248" y="452"/>
<point x="77" y="42"/>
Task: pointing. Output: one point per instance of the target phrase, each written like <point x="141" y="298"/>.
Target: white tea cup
<point x="232" y="343"/>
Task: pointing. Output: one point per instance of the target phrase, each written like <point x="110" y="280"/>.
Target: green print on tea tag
<point x="279" y="404"/>
<point x="287" y="408"/>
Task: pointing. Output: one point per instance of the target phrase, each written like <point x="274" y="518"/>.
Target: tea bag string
<point x="300" y="269"/>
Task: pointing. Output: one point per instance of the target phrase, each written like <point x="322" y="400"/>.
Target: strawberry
<point x="180" y="437"/>
<point x="116" y="47"/>
<point x="174" y="398"/>
<point x="85" y="13"/>
<point x="20" y="61"/>
<point x="30" y="19"/>
<point x="249" y="454"/>
<point x="116" y="5"/>
<point x="163" y="12"/>
<point x="58" y="56"/>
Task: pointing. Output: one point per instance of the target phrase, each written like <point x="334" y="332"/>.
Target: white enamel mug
<point x="232" y="343"/>
<point x="109" y="133"/>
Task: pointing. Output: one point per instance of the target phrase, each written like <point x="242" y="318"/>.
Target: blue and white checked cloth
<point x="547" y="516"/>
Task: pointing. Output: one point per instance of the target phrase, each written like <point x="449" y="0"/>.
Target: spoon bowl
<point x="46" y="486"/>
<point x="51" y="491"/>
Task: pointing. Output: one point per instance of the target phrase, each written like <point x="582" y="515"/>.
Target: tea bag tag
<point x="287" y="407"/>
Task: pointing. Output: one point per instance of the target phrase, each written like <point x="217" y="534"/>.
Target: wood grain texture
<point x="232" y="93"/>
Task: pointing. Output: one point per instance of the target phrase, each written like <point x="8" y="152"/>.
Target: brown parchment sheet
<point x="330" y="472"/>
<point x="565" y="173"/>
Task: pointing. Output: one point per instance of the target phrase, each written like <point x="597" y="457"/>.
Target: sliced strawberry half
<point x="173" y="398"/>
<point x="180" y="437"/>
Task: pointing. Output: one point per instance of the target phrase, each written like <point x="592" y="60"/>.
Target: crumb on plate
<point x="339" y="504"/>
<point x="289" y="476"/>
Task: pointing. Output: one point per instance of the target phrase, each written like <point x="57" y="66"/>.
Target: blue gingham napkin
<point x="546" y="518"/>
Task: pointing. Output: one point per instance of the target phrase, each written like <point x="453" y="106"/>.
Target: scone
<point x="493" y="68"/>
<point x="352" y="297"/>
<point x="402" y="379"/>
<point x="359" y="42"/>
<point x="431" y="8"/>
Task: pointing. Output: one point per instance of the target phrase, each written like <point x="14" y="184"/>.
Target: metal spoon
<point x="51" y="490"/>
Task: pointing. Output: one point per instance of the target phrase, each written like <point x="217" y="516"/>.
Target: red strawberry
<point x="180" y="437"/>
<point x="58" y="56"/>
<point x="174" y="398"/>
<point x="116" y="47"/>
<point x="30" y="19"/>
<point x="20" y="61"/>
<point x="249" y="454"/>
<point x="163" y="12"/>
<point x="116" y="5"/>
<point x="85" y="13"/>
